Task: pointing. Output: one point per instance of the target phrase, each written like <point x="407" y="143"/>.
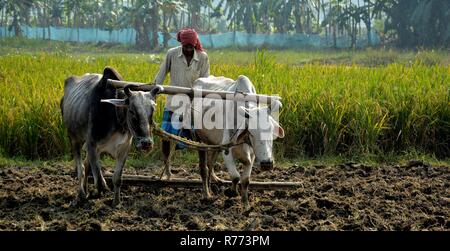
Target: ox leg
<point x="82" y="188"/>
<point x="121" y="157"/>
<point x="166" y="150"/>
<point x="204" y="174"/>
<point x="212" y="156"/>
<point x="245" y="181"/>
<point x="86" y="163"/>
<point x="87" y="171"/>
<point x="94" y="163"/>
<point x="234" y="174"/>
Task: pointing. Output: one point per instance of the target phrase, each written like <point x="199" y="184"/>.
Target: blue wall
<point x="240" y="39"/>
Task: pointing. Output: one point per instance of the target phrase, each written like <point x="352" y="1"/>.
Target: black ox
<point x="106" y="120"/>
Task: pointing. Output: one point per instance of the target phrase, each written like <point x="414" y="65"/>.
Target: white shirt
<point x="180" y="73"/>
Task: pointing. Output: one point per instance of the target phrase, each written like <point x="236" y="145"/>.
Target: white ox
<point x="251" y="128"/>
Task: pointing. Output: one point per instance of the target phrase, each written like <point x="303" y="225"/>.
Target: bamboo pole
<point x="191" y="92"/>
<point x="140" y="180"/>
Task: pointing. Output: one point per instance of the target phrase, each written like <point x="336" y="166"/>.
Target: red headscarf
<point x="189" y="36"/>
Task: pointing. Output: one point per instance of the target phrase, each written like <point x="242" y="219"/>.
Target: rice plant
<point x="344" y="109"/>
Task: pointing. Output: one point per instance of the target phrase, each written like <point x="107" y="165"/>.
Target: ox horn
<point x="156" y="90"/>
<point x="127" y="89"/>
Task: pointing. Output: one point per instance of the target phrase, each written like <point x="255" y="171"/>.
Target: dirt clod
<point x="350" y="196"/>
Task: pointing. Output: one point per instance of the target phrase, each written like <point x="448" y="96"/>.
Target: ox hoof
<point x="230" y="193"/>
<point x="166" y="177"/>
<point x="246" y="205"/>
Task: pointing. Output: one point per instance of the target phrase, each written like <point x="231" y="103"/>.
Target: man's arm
<point x="163" y="70"/>
<point x="204" y="71"/>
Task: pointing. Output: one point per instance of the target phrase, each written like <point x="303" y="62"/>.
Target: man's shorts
<point x="170" y="127"/>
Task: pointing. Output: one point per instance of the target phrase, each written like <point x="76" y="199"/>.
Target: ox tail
<point x="68" y="83"/>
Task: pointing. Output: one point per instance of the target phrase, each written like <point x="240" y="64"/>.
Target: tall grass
<point x="327" y="109"/>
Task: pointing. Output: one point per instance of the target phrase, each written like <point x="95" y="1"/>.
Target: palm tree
<point x="316" y="5"/>
<point x="348" y="20"/>
<point x="280" y="12"/>
<point x="144" y="16"/>
<point x="170" y="9"/>
<point x="417" y="23"/>
<point x="20" y="12"/>
<point x="234" y="13"/>
<point x="331" y="18"/>
<point x="3" y="10"/>
<point x="367" y="18"/>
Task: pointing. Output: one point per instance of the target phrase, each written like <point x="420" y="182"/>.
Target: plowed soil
<point x="343" y="197"/>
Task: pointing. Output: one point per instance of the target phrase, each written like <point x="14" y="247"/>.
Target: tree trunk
<point x="298" y="18"/>
<point x="1" y="22"/>
<point x="76" y="23"/>
<point x="15" y="25"/>
<point x="353" y="33"/>
<point x="359" y="23"/>
<point x="155" y="26"/>
<point x="333" y="26"/>
<point x="308" y="21"/>
<point x="234" y="22"/>
<point x="41" y="17"/>
<point x="209" y="19"/>
<point x="195" y="16"/>
<point x="318" y="16"/>
<point x="369" y="24"/>
<point x="47" y="17"/>
<point x="49" y="36"/>
<point x="68" y="19"/>
<point x="266" y="24"/>
<point x="169" y="22"/>
<point x="165" y="30"/>
<point x="303" y="21"/>
<point x="323" y="11"/>
<point x="189" y="19"/>
<point x="174" y="22"/>
<point x="334" y="36"/>
<point x="181" y="21"/>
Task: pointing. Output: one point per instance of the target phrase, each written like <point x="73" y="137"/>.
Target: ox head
<point x="263" y="130"/>
<point x="140" y="106"/>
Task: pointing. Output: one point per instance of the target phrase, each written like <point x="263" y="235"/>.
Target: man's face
<point x="188" y="49"/>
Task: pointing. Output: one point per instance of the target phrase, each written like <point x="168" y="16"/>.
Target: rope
<point x="191" y="143"/>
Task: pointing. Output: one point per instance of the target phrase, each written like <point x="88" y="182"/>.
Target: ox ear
<point x="116" y="102"/>
<point x="278" y="131"/>
<point x="275" y="106"/>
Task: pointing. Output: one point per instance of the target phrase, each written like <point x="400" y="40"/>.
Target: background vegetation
<point x="407" y="23"/>
<point x="334" y="103"/>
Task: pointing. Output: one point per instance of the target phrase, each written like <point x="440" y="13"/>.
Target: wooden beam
<point x="191" y="92"/>
<point x="140" y="180"/>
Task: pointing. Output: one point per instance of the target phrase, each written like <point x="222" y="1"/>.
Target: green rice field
<point x="335" y="103"/>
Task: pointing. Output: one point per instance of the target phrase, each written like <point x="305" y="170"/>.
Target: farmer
<point x="186" y="63"/>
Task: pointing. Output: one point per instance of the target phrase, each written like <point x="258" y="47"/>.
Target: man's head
<point x="188" y="49"/>
<point x="189" y="40"/>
